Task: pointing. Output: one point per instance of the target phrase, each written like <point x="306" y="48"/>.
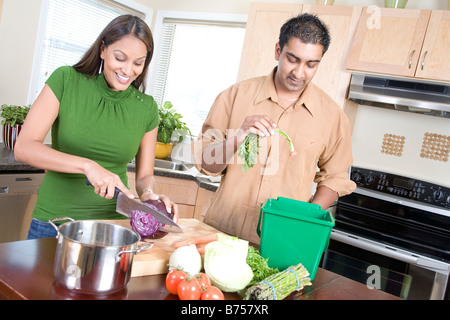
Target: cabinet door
<point x="434" y="60"/>
<point x="331" y="75"/>
<point x="179" y="190"/>
<point x="262" y="31"/>
<point x="388" y="41"/>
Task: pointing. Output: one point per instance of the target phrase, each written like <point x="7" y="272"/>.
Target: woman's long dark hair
<point x="114" y="31"/>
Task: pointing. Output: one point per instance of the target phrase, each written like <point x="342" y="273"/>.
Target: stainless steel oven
<point x="393" y="234"/>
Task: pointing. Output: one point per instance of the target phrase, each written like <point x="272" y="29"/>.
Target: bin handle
<point x="331" y="216"/>
<point x="328" y="240"/>
<point x="258" y="228"/>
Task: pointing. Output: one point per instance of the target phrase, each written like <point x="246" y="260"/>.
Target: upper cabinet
<point x="331" y="75"/>
<point x="434" y="62"/>
<point x="263" y="29"/>
<point x="402" y="42"/>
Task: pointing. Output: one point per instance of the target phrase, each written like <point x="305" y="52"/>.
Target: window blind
<point x="198" y="59"/>
<point x="70" y="29"/>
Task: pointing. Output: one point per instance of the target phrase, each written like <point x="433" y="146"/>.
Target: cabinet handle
<point x="410" y="58"/>
<point x="423" y="60"/>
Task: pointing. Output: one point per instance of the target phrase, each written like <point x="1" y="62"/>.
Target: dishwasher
<point x="18" y="194"/>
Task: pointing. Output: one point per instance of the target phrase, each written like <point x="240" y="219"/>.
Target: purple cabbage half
<point x="145" y="224"/>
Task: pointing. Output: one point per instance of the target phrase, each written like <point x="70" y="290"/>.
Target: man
<point x="284" y="99"/>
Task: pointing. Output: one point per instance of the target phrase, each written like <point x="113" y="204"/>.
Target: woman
<point x="100" y="121"/>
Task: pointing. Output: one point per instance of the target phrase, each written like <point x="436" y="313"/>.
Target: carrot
<point x="198" y="240"/>
<point x="201" y="250"/>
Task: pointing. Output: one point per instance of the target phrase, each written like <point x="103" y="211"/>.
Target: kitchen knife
<point x="126" y="205"/>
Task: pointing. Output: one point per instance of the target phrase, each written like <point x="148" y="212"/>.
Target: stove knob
<point x="357" y="177"/>
<point x="370" y="179"/>
<point x="448" y="200"/>
<point x="438" y="195"/>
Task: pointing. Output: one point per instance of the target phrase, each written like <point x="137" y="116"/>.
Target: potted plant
<point x="13" y="118"/>
<point x="171" y="129"/>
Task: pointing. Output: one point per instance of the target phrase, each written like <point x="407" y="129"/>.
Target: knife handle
<point x="116" y="190"/>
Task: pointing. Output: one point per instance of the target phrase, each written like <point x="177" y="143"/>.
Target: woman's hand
<point x="171" y="206"/>
<point x="105" y="182"/>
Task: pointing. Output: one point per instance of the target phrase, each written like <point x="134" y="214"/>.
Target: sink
<point x="171" y="165"/>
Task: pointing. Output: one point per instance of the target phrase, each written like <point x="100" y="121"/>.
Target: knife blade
<point x="126" y="205"/>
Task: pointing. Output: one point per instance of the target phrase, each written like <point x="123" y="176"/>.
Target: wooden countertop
<point x="26" y="273"/>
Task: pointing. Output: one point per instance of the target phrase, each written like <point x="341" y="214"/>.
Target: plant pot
<point x="10" y="134"/>
<point x="395" y="3"/>
<point x="163" y="150"/>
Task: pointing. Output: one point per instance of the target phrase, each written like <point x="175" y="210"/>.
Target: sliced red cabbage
<point x="145" y="224"/>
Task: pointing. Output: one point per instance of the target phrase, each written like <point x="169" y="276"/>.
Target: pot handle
<point x="139" y="248"/>
<point x="52" y="222"/>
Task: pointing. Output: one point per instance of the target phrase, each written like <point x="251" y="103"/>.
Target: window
<point x="68" y="28"/>
<point x="196" y="60"/>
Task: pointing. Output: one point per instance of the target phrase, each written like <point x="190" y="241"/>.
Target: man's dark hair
<point x="306" y="27"/>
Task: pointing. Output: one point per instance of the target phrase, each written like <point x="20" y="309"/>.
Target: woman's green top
<point x="98" y="123"/>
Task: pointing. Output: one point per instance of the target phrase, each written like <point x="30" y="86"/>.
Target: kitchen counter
<point x="10" y="165"/>
<point x="26" y="273"/>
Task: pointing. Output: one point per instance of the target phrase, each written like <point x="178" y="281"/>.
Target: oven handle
<point x="375" y="247"/>
<point x="403" y="202"/>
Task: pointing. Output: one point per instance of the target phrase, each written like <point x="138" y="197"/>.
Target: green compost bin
<point x="293" y="232"/>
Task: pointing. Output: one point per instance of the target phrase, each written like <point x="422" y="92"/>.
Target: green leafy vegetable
<point x="259" y="266"/>
<point x="225" y="263"/>
<point x="249" y="149"/>
<point x="279" y="285"/>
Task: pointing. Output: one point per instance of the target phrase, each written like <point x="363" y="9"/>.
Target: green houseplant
<point x="13" y="118"/>
<point x="171" y="129"/>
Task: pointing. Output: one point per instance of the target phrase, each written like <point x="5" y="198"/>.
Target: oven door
<point x="387" y="268"/>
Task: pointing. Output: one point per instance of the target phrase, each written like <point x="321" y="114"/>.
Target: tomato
<point x="189" y="289"/>
<point x="203" y="280"/>
<point x="213" y="293"/>
<point x="173" y="278"/>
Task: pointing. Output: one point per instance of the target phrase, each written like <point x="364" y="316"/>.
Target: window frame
<point x="182" y="15"/>
<point x="148" y="12"/>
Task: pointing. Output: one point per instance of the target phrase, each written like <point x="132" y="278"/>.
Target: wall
<point x="18" y="30"/>
<point x="20" y="19"/>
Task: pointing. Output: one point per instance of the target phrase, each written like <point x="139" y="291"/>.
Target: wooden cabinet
<point x="406" y="42"/>
<point x="435" y="56"/>
<point x="263" y="29"/>
<point x="262" y="32"/>
<point x="332" y="77"/>
<point x="203" y="202"/>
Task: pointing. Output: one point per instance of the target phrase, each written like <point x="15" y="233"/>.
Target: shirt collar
<point x="268" y="91"/>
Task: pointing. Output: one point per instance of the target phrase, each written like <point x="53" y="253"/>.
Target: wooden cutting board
<point x="156" y="259"/>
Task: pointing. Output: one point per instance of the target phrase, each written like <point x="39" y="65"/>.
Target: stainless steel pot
<point x="94" y="257"/>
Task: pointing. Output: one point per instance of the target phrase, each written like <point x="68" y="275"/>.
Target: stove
<point x="398" y="224"/>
